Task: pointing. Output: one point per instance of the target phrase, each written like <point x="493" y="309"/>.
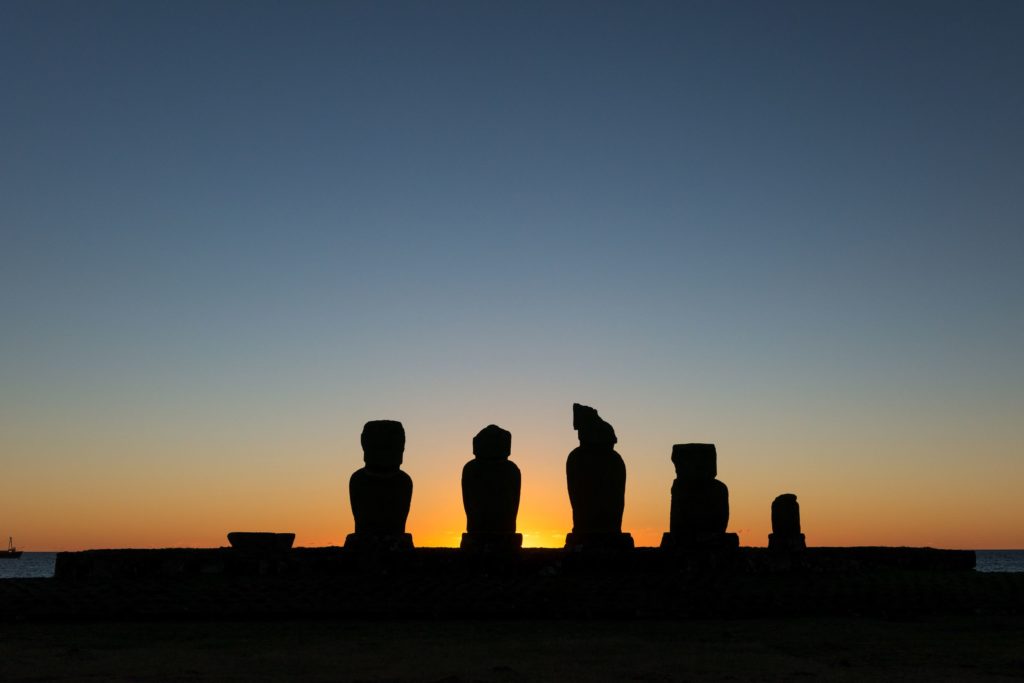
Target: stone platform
<point x="222" y="583"/>
<point x="334" y="561"/>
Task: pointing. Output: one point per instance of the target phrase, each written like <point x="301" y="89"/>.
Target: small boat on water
<point x="11" y="553"/>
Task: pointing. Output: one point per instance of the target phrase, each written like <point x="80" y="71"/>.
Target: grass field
<point x="839" y="649"/>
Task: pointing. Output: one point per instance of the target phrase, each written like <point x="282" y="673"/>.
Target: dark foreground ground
<point x="435" y="615"/>
<point x="962" y="648"/>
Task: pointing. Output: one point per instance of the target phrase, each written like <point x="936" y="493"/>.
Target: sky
<point x="233" y="232"/>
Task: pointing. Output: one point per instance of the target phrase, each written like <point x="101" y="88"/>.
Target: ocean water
<point x="29" y="565"/>
<point x="40" y="565"/>
<point x="999" y="560"/>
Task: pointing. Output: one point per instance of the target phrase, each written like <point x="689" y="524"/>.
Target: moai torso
<point x="380" y="500"/>
<point x="491" y="484"/>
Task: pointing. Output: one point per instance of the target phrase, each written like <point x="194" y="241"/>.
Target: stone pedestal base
<point x="378" y="542"/>
<point x="788" y="543"/>
<point x="260" y="542"/>
<point x="488" y="543"/>
<point x="602" y="541"/>
<point x="724" y="541"/>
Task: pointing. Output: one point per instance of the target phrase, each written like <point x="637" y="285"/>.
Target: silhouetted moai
<point x="700" y="503"/>
<point x="381" y="492"/>
<point x="490" y="493"/>
<point x="596" y="476"/>
<point x="786" y="524"/>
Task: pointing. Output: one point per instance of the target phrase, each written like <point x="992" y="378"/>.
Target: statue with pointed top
<point x="700" y="502"/>
<point x="490" y="493"/>
<point x="596" y="477"/>
<point x="380" y="492"/>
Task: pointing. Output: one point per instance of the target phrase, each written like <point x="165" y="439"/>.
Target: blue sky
<point x="226" y="218"/>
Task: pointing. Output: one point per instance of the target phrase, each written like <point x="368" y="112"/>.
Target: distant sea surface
<point x="999" y="560"/>
<point x="40" y="565"/>
<point x="28" y="566"/>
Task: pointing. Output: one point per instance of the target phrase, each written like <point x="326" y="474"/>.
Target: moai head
<point x="383" y="444"/>
<point x="591" y="429"/>
<point x="786" y="515"/>
<point x="695" y="461"/>
<point x="492" y="443"/>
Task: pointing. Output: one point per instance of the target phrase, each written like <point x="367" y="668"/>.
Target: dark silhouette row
<point x="381" y="494"/>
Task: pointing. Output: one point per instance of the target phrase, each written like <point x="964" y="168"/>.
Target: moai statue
<point x="786" y="534"/>
<point x="490" y="493"/>
<point x="596" y="476"/>
<point x="700" y="503"/>
<point x="381" y="492"/>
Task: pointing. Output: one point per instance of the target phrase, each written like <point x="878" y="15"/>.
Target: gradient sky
<point x="233" y="232"/>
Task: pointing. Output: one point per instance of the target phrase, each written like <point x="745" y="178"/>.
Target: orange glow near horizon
<point x="437" y="520"/>
<point x="167" y="500"/>
<point x="448" y="534"/>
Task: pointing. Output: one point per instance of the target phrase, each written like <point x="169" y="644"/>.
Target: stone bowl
<point x="260" y="541"/>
